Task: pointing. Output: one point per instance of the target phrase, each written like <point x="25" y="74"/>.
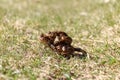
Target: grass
<point x="93" y="25"/>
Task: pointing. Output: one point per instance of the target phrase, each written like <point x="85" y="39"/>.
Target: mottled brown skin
<point x="65" y="49"/>
<point x="63" y="38"/>
<point x="60" y="42"/>
<point x="47" y="41"/>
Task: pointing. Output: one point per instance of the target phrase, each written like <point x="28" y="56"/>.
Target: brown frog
<point x="60" y="42"/>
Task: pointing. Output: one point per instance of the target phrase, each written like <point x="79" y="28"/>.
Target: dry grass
<point x="94" y="26"/>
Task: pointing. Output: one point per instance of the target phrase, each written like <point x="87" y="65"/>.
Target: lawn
<point x="94" y="26"/>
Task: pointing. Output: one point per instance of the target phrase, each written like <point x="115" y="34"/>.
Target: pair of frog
<point x="60" y="42"/>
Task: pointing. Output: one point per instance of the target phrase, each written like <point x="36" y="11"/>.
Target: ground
<point x="94" y="26"/>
